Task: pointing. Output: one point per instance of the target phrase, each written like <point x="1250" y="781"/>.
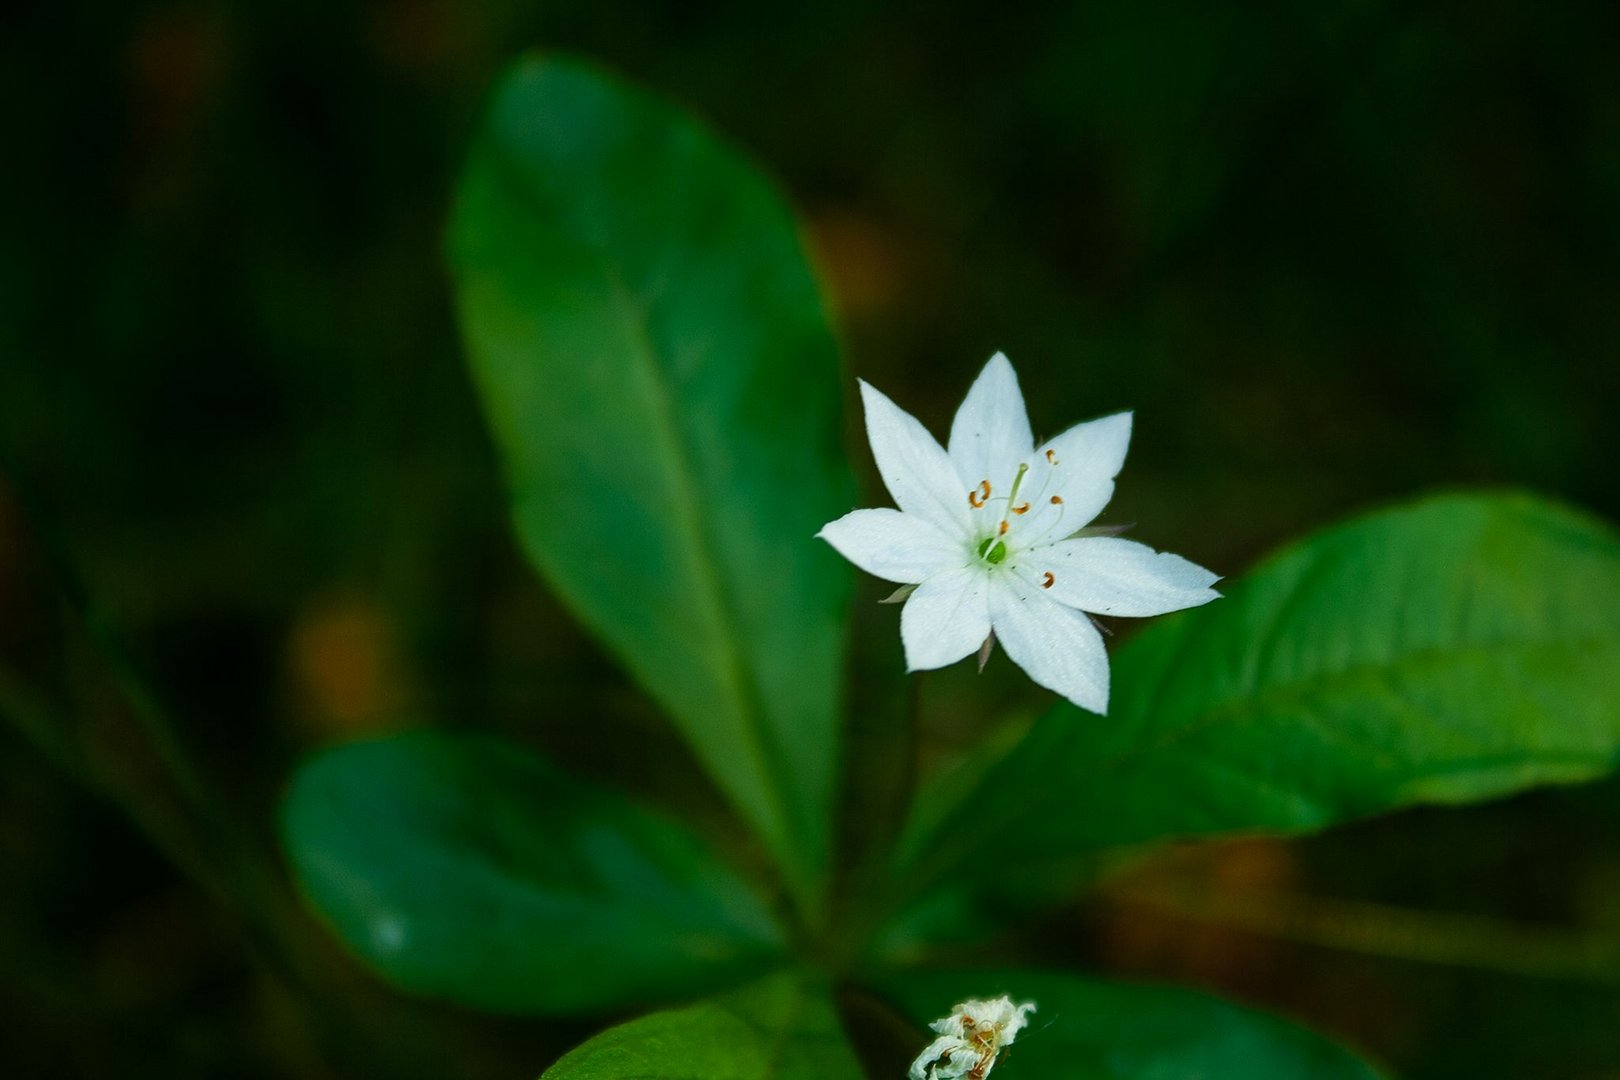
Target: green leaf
<point x="461" y="867"/>
<point x="1091" y="1029"/>
<point x="777" y="1030"/>
<point x="663" y="389"/>
<point x="1446" y="651"/>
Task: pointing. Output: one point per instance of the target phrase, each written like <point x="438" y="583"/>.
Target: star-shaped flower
<point x="970" y="1039"/>
<point x="986" y="532"/>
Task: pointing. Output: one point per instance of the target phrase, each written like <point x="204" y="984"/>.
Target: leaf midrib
<point x="590" y="236"/>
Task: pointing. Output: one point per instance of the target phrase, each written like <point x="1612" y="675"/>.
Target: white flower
<point x="986" y="533"/>
<point x="970" y="1038"/>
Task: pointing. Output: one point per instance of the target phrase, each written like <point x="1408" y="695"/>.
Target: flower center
<point x="993" y="548"/>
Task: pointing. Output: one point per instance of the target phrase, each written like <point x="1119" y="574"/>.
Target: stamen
<point x="1051" y="457"/>
<point x="1021" y="508"/>
<point x="1057" y="500"/>
<point x="1047" y="583"/>
<point x="1003" y="530"/>
<point x="978" y="496"/>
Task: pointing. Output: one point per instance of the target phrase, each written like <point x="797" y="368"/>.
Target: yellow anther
<point x="1047" y="583"/>
<point x="1051" y="457"/>
<point x="1021" y="508"/>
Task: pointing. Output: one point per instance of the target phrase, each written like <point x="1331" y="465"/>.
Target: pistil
<point x="1012" y="498"/>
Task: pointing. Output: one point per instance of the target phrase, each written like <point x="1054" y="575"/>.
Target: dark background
<point x="1333" y="253"/>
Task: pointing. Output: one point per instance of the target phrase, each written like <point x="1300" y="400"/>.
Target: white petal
<point x="990" y="434"/>
<point x="945" y="619"/>
<point x="1077" y="470"/>
<point x="893" y="545"/>
<point x="999" y="1013"/>
<point x="1017" y="1019"/>
<point x="1120" y="577"/>
<point x="1057" y="646"/>
<point x="963" y="1059"/>
<point x="916" y="470"/>
<point x="940" y="1047"/>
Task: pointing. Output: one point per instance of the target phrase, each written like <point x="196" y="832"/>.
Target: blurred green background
<point x="1332" y="253"/>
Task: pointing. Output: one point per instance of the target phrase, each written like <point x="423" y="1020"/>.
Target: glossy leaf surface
<point x="465" y="868"/>
<point x="662" y="386"/>
<point x="777" y="1030"/>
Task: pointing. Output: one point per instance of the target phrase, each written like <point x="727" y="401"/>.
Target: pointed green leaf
<point x="1446" y="651"/>
<point x="663" y="390"/>
<point x="1092" y="1029"/>
<point x="465" y="868"/>
<point x="777" y="1030"/>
